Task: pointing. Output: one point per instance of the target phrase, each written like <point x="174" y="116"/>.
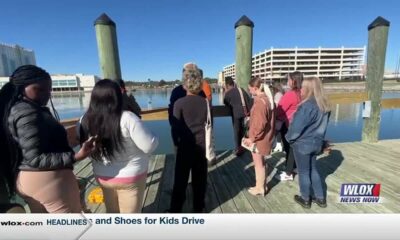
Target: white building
<point x="63" y="82"/>
<point x="67" y="82"/>
<point x="13" y="56"/>
<point x="87" y="82"/>
<point x="325" y="63"/>
<point x="221" y="79"/>
<point x="74" y="82"/>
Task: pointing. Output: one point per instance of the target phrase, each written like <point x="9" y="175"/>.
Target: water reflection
<point x="345" y="112"/>
<point x="220" y="97"/>
<point x="149" y="104"/>
<point x="152" y="98"/>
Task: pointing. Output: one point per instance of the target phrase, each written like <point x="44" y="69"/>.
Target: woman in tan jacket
<point x="261" y="132"/>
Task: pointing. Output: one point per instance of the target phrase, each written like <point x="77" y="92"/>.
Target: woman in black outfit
<point x="36" y="160"/>
<point x="189" y="117"/>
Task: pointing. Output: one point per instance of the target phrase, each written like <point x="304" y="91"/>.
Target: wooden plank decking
<point x="229" y="179"/>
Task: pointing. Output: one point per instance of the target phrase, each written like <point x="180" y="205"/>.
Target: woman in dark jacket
<point x="233" y="100"/>
<point x="176" y="94"/>
<point x="36" y="158"/>
<point x="306" y="135"/>
<point x="190" y="115"/>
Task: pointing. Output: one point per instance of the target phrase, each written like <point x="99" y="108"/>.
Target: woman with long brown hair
<point x="261" y="133"/>
<point x="306" y="137"/>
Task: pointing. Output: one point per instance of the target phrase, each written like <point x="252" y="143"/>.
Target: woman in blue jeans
<point x="306" y="135"/>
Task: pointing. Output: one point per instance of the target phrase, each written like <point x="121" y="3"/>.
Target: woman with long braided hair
<point x="36" y="159"/>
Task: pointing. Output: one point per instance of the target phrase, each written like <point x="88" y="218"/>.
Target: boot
<point x="321" y="202"/>
<point x="259" y="189"/>
<point x="305" y="204"/>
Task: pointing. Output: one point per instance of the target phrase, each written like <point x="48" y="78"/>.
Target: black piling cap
<point x="244" y="21"/>
<point x="104" y="20"/>
<point x="379" y="21"/>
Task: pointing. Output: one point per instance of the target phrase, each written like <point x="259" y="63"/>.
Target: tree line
<point x="160" y="83"/>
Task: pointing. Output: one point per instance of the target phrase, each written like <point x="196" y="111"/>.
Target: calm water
<point x="345" y="123"/>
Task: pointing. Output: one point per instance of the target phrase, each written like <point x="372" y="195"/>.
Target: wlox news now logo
<point x="360" y="193"/>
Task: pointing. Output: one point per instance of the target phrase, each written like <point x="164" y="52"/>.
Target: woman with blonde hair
<point x="260" y="134"/>
<point x="306" y="136"/>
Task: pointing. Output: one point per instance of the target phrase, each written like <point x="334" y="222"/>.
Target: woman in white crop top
<point x="123" y="148"/>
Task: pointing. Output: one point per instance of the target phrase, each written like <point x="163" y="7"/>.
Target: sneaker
<point x="305" y="204"/>
<point x="320" y="202"/>
<point x="278" y="148"/>
<point x="256" y="192"/>
<point x="284" y="177"/>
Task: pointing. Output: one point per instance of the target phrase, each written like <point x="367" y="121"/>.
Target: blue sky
<point x="156" y="37"/>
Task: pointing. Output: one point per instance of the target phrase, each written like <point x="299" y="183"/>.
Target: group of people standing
<point x="297" y="119"/>
<point x="37" y="161"/>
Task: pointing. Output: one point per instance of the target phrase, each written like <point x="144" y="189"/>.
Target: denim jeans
<point x="290" y="162"/>
<point x="308" y="173"/>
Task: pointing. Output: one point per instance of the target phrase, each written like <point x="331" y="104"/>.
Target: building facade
<point x="13" y="56"/>
<point x="325" y="63"/>
<point x="87" y="82"/>
<point x="221" y="79"/>
<point x="67" y="82"/>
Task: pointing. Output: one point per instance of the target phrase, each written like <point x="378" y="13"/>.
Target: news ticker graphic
<point x="199" y="226"/>
<point x="360" y="193"/>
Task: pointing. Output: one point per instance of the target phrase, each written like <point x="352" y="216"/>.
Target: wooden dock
<point x="229" y="179"/>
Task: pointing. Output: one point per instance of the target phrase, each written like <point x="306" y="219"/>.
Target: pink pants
<point x="50" y="191"/>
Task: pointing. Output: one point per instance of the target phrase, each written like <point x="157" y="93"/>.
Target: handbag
<point x="252" y="148"/>
<point x="210" y="146"/>
<point x="246" y="120"/>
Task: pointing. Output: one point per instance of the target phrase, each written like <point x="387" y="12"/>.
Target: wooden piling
<point x="107" y="47"/>
<point x="377" y="42"/>
<point x="244" y="51"/>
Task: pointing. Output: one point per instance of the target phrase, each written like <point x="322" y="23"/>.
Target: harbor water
<point x="345" y="123"/>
